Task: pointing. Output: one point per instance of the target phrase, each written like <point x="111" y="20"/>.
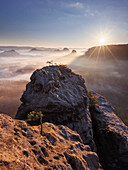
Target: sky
<point x="63" y="23"/>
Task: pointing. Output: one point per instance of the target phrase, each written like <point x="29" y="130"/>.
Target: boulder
<point x="110" y="135"/>
<point x="22" y="147"/>
<point x="62" y="97"/>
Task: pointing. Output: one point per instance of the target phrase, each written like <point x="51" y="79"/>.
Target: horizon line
<point x="29" y="46"/>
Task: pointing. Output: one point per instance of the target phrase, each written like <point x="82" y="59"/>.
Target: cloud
<point x="24" y="70"/>
<point x="77" y="5"/>
<point x="83" y="9"/>
<point x="89" y="12"/>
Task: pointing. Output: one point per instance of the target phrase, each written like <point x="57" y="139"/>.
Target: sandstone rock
<point x="66" y="50"/>
<point x="58" y="148"/>
<point x="107" y="52"/>
<point x="62" y="97"/>
<point x="74" y="52"/>
<point x="110" y="135"/>
<point x="35" y="50"/>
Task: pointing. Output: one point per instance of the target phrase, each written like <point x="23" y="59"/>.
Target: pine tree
<point x="33" y="116"/>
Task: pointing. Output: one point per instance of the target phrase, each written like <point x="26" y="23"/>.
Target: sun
<point x="102" y="41"/>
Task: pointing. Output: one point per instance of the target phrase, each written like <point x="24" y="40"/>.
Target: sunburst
<point x="102" y="41"/>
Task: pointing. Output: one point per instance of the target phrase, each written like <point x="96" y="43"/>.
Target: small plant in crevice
<point x="93" y="99"/>
<point x="33" y="116"/>
<point x="126" y="122"/>
<point x="62" y="66"/>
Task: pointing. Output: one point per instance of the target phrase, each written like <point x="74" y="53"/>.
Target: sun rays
<point x="101" y="52"/>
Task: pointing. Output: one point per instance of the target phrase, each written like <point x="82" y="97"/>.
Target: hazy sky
<point x="63" y="23"/>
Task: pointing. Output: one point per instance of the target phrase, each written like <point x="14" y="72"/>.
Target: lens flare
<point x="102" y="41"/>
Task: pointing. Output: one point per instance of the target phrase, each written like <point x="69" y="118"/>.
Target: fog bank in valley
<point x="107" y="77"/>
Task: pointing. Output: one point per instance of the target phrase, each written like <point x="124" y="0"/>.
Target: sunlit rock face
<point x="110" y="135"/>
<point x="62" y="97"/>
<point x="60" y="148"/>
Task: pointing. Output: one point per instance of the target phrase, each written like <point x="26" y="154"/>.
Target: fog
<point x="20" y="67"/>
<point x="108" y="78"/>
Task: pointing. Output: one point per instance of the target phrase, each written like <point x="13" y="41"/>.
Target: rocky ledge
<point x="22" y="147"/>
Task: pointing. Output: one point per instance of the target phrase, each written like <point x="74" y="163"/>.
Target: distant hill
<point x="35" y="49"/>
<point x="109" y="51"/>
<point x="10" y="53"/>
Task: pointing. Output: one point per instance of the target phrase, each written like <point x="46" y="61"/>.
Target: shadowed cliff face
<point x="62" y="97"/>
<point x="110" y="134"/>
<point x="22" y="147"/>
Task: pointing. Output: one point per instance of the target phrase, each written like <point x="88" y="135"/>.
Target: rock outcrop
<point x="66" y="50"/>
<point x="74" y="52"/>
<point x="62" y="97"/>
<point x="35" y="50"/>
<point x="22" y="147"/>
<point x="110" y="135"/>
<point x="109" y="52"/>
